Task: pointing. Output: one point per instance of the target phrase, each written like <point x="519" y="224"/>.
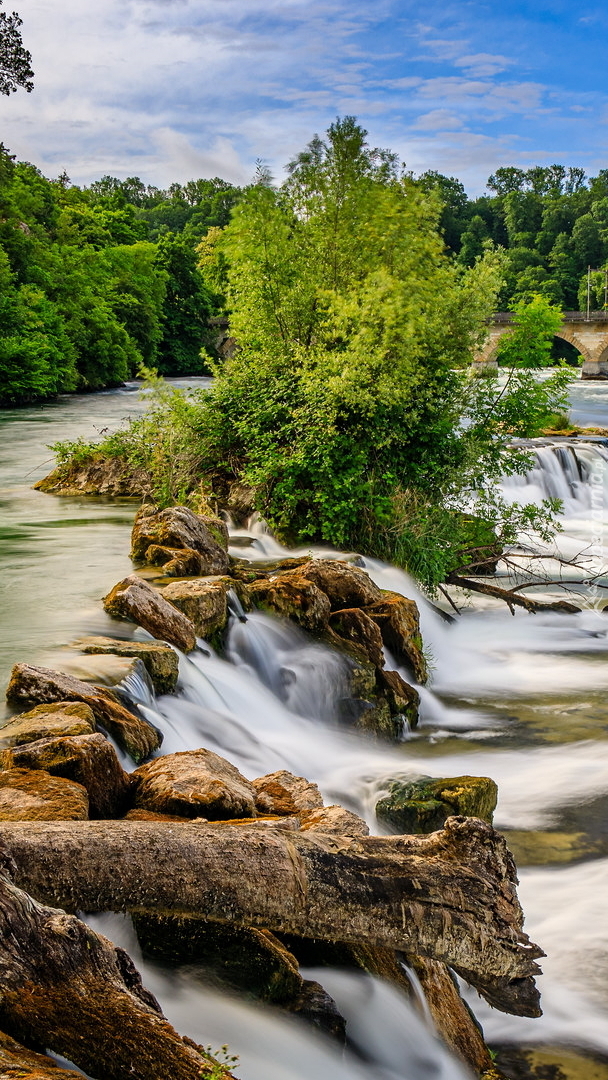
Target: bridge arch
<point x="588" y="334"/>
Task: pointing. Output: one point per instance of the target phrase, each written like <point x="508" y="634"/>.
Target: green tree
<point x="529" y="343"/>
<point x="15" y="60"/>
<point x="186" y="342"/>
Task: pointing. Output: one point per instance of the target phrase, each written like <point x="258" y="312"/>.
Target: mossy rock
<point x="422" y="805"/>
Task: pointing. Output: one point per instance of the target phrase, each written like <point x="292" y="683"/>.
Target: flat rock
<point x="132" y="598"/>
<point x="32" y="795"/>
<point x="347" y="586"/>
<point x="35" y="684"/>
<point x="293" y="596"/>
<point x="178" y="527"/>
<point x="48" y="721"/>
<point x="399" y="623"/>
<point x="283" y="793"/>
<point x="194" y="783"/>
<point x="423" y="805"/>
<point x="203" y="601"/>
<point x="160" y="660"/>
<point x="89" y="760"/>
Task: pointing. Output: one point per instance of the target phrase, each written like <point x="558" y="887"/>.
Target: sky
<point x="173" y="90"/>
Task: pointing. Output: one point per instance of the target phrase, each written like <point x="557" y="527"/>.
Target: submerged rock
<point x="132" y="598"/>
<point x="194" y="783"/>
<point x="283" y="793"/>
<point x="88" y="760"/>
<point x="423" y="805"/>
<point x="160" y="660"/>
<point x="203" y="601"/>
<point x="35" y="684"/>
<point x="48" y="721"/>
<point x="315" y="1005"/>
<point x="33" y="795"/>
<point x="180" y="528"/>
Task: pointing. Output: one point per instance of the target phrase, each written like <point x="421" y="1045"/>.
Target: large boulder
<point x="423" y="805"/>
<point x="30" y="684"/>
<point x="88" y="760"/>
<point x="283" y="793"/>
<point x="345" y="585"/>
<point x="33" y="795"/>
<point x="359" y="634"/>
<point x="132" y="598"/>
<point x="194" y="783"/>
<point x="293" y="596"/>
<point x="399" y="624"/>
<point x="203" y="601"/>
<point x="160" y="660"/>
<point x="48" y="721"/>
<point x="180" y="528"/>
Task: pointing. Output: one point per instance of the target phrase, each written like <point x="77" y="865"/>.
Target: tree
<point x="528" y="345"/>
<point x="185" y="344"/>
<point x="15" y="60"/>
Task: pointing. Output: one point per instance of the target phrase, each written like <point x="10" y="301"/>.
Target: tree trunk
<point x="65" y="987"/>
<point x="512" y="598"/>
<point x="449" y="895"/>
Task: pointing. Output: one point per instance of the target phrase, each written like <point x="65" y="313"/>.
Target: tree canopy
<point x="15" y="60"/>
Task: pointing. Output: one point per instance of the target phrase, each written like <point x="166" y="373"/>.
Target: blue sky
<point x="176" y="89"/>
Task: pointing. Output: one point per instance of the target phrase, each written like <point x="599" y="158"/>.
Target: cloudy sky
<point x="177" y="89"/>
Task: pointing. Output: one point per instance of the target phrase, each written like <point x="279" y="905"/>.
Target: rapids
<point x="521" y="699"/>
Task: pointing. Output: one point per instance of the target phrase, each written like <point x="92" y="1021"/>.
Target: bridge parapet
<point x="587" y="333"/>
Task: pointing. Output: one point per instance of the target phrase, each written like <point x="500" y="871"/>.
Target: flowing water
<point x="519" y="698"/>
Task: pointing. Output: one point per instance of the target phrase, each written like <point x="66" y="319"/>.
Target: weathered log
<point x="67" y="988"/>
<point x="449" y="895"/>
<point x="36" y="684"/>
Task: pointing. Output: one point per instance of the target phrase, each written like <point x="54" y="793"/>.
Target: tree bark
<point x="65" y="987"/>
<point x="449" y="895"/>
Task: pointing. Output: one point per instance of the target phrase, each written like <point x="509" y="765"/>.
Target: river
<point x="521" y="699"/>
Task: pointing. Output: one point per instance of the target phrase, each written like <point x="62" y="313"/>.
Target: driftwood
<point x="511" y="597"/>
<point x="68" y="988"/>
<point x="449" y="895"/>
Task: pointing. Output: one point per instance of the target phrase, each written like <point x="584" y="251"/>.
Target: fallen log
<point x="449" y="895"/>
<point x="512" y="598"/>
<point x="67" y="988"/>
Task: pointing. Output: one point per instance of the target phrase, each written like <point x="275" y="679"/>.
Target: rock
<point x="283" y="793"/>
<point x="97" y="476"/>
<point x="314" y="1005"/>
<point x="149" y="815"/>
<point x="423" y="805"/>
<point x="179" y="527"/>
<point x="240" y="502"/>
<point x="176" y="562"/>
<point x="132" y="598"/>
<point x="356" y="628"/>
<point x="292" y="596"/>
<point x="32" y="795"/>
<point x="194" y="783"/>
<point x="34" y="684"/>
<point x="161" y="662"/>
<point x="203" y="602"/>
<point x="334" y="820"/>
<point x="249" y="960"/>
<point x="402" y="698"/>
<point x="399" y="625"/>
<point x="347" y="586"/>
<point x="48" y="721"/>
<point x="88" y="760"/>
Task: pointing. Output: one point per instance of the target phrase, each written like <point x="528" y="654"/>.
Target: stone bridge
<point x="588" y="334"/>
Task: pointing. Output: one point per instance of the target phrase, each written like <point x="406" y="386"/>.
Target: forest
<point x="98" y="280"/>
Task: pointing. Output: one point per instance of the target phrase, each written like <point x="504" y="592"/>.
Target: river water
<point x="521" y="699"/>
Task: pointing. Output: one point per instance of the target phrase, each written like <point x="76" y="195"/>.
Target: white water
<point x="509" y="697"/>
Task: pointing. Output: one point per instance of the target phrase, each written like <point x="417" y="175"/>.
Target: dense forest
<point x="96" y="281"/>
